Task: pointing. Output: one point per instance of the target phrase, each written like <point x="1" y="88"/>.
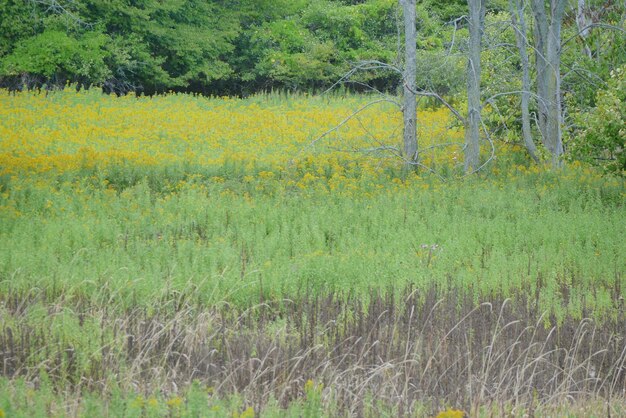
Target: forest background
<point x="233" y="47"/>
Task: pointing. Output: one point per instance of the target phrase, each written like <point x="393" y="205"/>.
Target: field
<point x="188" y="256"/>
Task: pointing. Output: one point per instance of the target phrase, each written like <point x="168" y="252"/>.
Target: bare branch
<point x="442" y="101"/>
<point x="343" y="122"/>
<point x="420" y="165"/>
<point x="363" y="66"/>
<point x="455" y="22"/>
<point x="56" y="7"/>
<point x="375" y="90"/>
<point x="497" y="109"/>
<point x="445" y="145"/>
<point x="514" y="92"/>
<point x="369" y="150"/>
<point x="591" y="77"/>
<point x="591" y="26"/>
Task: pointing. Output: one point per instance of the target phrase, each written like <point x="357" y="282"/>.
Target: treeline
<point x="239" y="47"/>
<point x="209" y="47"/>
<point x="242" y="46"/>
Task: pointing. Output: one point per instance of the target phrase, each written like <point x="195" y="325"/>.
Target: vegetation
<point x="188" y="230"/>
<point x="602" y="139"/>
<point x="151" y="242"/>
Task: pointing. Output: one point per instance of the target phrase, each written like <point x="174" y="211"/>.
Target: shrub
<point x="602" y="139"/>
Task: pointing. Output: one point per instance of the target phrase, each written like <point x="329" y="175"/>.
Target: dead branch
<point x="56" y="7"/>
<point x="442" y="101"/>
<point x="513" y="92"/>
<point x="363" y="66"/>
<point x="343" y="122"/>
<point x="455" y="22"/>
<point x="493" y="151"/>
<point x="591" y="26"/>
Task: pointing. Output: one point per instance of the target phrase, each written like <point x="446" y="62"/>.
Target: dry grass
<point x="406" y="355"/>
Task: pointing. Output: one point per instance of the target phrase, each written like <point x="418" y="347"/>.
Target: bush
<point x="603" y="135"/>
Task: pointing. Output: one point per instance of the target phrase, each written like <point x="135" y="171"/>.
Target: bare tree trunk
<point x="554" y="139"/>
<point x="548" y="44"/>
<point x="519" y="25"/>
<point x="409" y="109"/>
<point x="583" y="21"/>
<point x="540" y="40"/>
<point x="472" y="128"/>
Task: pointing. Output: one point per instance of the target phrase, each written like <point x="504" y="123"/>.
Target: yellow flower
<point x="452" y="413"/>
<point x="309" y="385"/>
<point x="138" y="402"/>
<point x="247" y="413"/>
<point x="175" y="402"/>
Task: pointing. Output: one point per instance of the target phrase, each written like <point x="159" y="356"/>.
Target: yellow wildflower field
<point x="68" y="131"/>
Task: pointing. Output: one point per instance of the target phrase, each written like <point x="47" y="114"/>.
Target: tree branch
<point x="55" y="6"/>
<point x="442" y="101"/>
<point x="346" y="120"/>
<point x="591" y="26"/>
<point x="363" y="66"/>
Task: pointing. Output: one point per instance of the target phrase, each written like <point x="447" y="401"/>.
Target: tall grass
<point x="246" y="241"/>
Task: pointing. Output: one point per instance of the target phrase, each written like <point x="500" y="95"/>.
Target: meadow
<point x="190" y="256"/>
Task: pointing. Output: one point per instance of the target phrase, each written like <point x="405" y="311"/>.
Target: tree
<point x="472" y="129"/>
<point x="547" y="40"/>
<point x="575" y="76"/>
<point x="519" y="26"/>
<point x="58" y="57"/>
<point x="150" y="45"/>
<point x="583" y="22"/>
<point x="409" y="108"/>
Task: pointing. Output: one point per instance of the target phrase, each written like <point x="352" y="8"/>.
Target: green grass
<point x="19" y="401"/>
<point x="558" y="239"/>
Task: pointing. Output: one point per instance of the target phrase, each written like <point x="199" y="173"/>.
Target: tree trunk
<point x="548" y="38"/>
<point x="409" y="109"/>
<point x="519" y="25"/>
<point x="553" y="128"/>
<point x="472" y="128"/>
<point x="583" y="21"/>
<point x="540" y="40"/>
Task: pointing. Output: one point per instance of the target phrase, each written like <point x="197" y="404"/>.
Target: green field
<point x="156" y="281"/>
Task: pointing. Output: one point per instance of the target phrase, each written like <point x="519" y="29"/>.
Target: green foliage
<point x="602" y="138"/>
<point x="440" y="72"/>
<point x="446" y="10"/>
<point x="155" y="46"/>
<point x="194" y="38"/>
<point x="57" y="55"/>
<point x="242" y="46"/>
<point x="16" y="24"/>
<point x="290" y="54"/>
<point x="151" y="45"/>
<point x="316" y="45"/>
<point x="19" y="399"/>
